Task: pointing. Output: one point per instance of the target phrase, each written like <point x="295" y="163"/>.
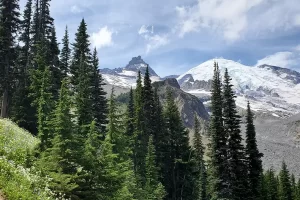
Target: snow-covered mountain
<point x="269" y="89"/>
<point x="126" y="77"/>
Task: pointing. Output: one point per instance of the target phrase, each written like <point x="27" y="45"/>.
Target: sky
<point x="173" y="36"/>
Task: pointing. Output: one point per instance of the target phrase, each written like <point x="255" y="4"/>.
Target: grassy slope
<point x="16" y="181"/>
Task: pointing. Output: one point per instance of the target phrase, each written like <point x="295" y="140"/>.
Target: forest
<point x="91" y="148"/>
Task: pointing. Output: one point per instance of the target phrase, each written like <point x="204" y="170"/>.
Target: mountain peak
<point x="138" y="64"/>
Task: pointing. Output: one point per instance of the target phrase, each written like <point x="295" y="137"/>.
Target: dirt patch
<point x="1" y="196"/>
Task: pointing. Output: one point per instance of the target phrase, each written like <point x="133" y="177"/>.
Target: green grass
<point x="17" y="181"/>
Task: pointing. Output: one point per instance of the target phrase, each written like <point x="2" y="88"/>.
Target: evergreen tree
<point x="54" y="63"/>
<point x="9" y="22"/>
<point x="99" y="102"/>
<point x="200" y="174"/>
<point x="285" y="190"/>
<point x="23" y="113"/>
<point x="129" y="132"/>
<point x="294" y="187"/>
<point x="59" y="161"/>
<point x="81" y="52"/>
<point x="139" y="149"/>
<point x="175" y="178"/>
<point x="271" y="185"/>
<point x="253" y="156"/>
<point x="83" y="96"/>
<point x="153" y="187"/>
<point x="218" y="174"/>
<point x="41" y="91"/>
<point x="65" y="55"/>
<point x="235" y="154"/>
<point x="297" y="197"/>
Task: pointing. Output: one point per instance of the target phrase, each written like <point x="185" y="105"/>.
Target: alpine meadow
<point x="70" y="130"/>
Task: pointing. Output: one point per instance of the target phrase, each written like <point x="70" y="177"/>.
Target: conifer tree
<point x="23" y="113"/>
<point x="129" y="132"/>
<point x="65" y="55"/>
<point x="218" y="174"/>
<point x="83" y="96"/>
<point x="153" y="187"/>
<point x="271" y="186"/>
<point x="284" y="189"/>
<point x="81" y="52"/>
<point x="198" y="151"/>
<point x="253" y="156"/>
<point x="9" y="22"/>
<point x="99" y="102"/>
<point x="298" y="190"/>
<point x="178" y="169"/>
<point x="235" y="154"/>
<point x="41" y="91"/>
<point x="139" y="149"/>
<point x="294" y="187"/>
<point x="60" y="160"/>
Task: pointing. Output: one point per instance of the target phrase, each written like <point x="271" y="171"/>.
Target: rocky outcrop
<point x="188" y="104"/>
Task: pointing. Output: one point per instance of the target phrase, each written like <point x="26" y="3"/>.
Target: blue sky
<point x="176" y="35"/>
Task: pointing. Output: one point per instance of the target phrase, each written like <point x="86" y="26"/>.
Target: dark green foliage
<point x="285" y="188"/>
<point x="270" y="182"/>
<point x="200" y="169"/>
<point x="253" y="156"/>
<point x="59" y="161"/>
<point x="129" y="132"/>
<point x="218" y="174"/>
<point x="23" y="113"/>
<point x="139" y="149"/>
<point x="65" y="55"/>
<point x="99" y="102"/>
<point x="41" y="91"/>
<point x="235" y="155"/>
<point x="177" y="169"/>
<point x="153" y="188"/>
<point x="9" y="22"/>
<point x="81" y="52"/>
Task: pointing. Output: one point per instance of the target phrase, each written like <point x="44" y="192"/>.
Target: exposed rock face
<point x="188" y="104"/>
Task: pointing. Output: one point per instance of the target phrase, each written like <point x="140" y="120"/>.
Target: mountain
<point x="269" y="89"/>
<point x="187" y="104"/>
<point x="126" y="77"/>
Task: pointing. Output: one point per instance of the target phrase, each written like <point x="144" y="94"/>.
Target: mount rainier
<point x="270" y="89"/>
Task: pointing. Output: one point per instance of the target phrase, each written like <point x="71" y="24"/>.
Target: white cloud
<point x="76" y="9"/>
<point x="234" y="18"/>
<point x="156" y="41"/>
<point x="297" y="48"/>
<point x="102" y="38"/>
<point x="146" y="29"/>
<point x="285" y="59"/>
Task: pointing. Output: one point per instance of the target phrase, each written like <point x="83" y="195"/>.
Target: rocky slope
<point x="269" y="88"/>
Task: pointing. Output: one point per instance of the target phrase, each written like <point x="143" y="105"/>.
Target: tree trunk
<point x="4" y="107"/>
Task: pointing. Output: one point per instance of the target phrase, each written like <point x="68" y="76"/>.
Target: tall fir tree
<point x="9" y="22"/>
<point x="60" y="160"/>
<point x="23" y="113"/>
<point x="218" y="174"/>
<point x="285" y="188"/>
<point x="65" y="55"/>
<point x="99" y="102"/>
<point x="154" y="189"/>
<point x="129" y="131"/>
<point x="253" y="156"/>
<point x="139" y="149"/>
<point x="41" y="91"/>
<point x="81" y="52"/>
<point x="271" y="186"/>
<point x="175" y="178"/>
<point x="200" y="168"/>
<point x="236" y="153"/>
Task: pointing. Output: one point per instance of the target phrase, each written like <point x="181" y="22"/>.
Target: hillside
<point x="16" y="180"/>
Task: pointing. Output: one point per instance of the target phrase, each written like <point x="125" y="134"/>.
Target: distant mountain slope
<point x="269" y="88"/>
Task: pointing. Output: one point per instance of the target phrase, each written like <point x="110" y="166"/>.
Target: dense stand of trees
<point x="92" y="150"/>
